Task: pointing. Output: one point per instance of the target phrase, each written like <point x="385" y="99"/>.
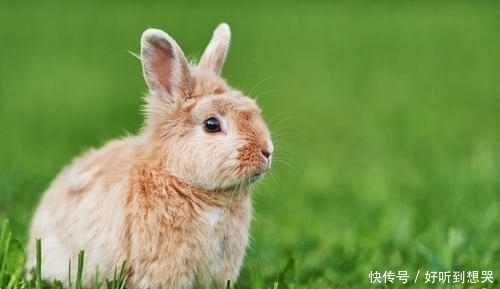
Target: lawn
<point x="385" y="117"/>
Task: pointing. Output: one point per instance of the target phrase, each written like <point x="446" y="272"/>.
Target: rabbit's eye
<point x="212" y="125"/>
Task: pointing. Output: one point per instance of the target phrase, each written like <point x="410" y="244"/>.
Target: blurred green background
<point x="385" y="117"/>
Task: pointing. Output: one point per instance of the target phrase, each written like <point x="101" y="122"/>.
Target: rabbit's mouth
<point x="261" y="172"/>
<point x="248" y="180"/>
<point x="232" y="178"/>
<point x="258" y="175"/>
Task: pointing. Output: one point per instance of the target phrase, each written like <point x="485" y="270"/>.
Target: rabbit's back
<point x="83" y="209"/>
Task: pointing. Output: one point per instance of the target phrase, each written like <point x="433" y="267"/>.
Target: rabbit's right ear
<point x="215" y="54"/>
<point x="164" y="65"/>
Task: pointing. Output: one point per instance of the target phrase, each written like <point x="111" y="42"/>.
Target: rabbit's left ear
<point x="164" y="65"/>
<point x="215" y="54"/>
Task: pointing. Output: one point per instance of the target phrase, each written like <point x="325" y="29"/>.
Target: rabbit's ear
<point x="164" y="65"/>
<point x="215" y="54"/>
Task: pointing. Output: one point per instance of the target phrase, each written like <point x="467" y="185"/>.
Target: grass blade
<point x="14" y="279"/>
<point x="4" y="250"/>
<point x="119" y="280"/>
<point x="96" y="280"/>
<point x="38" y="265"/>
<point x="70" y="281"/>
<point x="79" y="272"/>
<point x="4" y="243"/>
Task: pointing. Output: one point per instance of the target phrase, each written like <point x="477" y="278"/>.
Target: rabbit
<point x="173" y="201"/>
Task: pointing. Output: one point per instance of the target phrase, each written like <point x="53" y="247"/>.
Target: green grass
<point x="386" y="119"/>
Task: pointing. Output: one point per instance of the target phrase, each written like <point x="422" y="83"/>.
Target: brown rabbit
<point x="173" y="201"/>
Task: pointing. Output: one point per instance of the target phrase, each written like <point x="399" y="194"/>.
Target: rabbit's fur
<point x="173" y="201"/>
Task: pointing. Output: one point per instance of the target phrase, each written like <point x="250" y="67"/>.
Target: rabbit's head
<point x="206" y="133"/>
